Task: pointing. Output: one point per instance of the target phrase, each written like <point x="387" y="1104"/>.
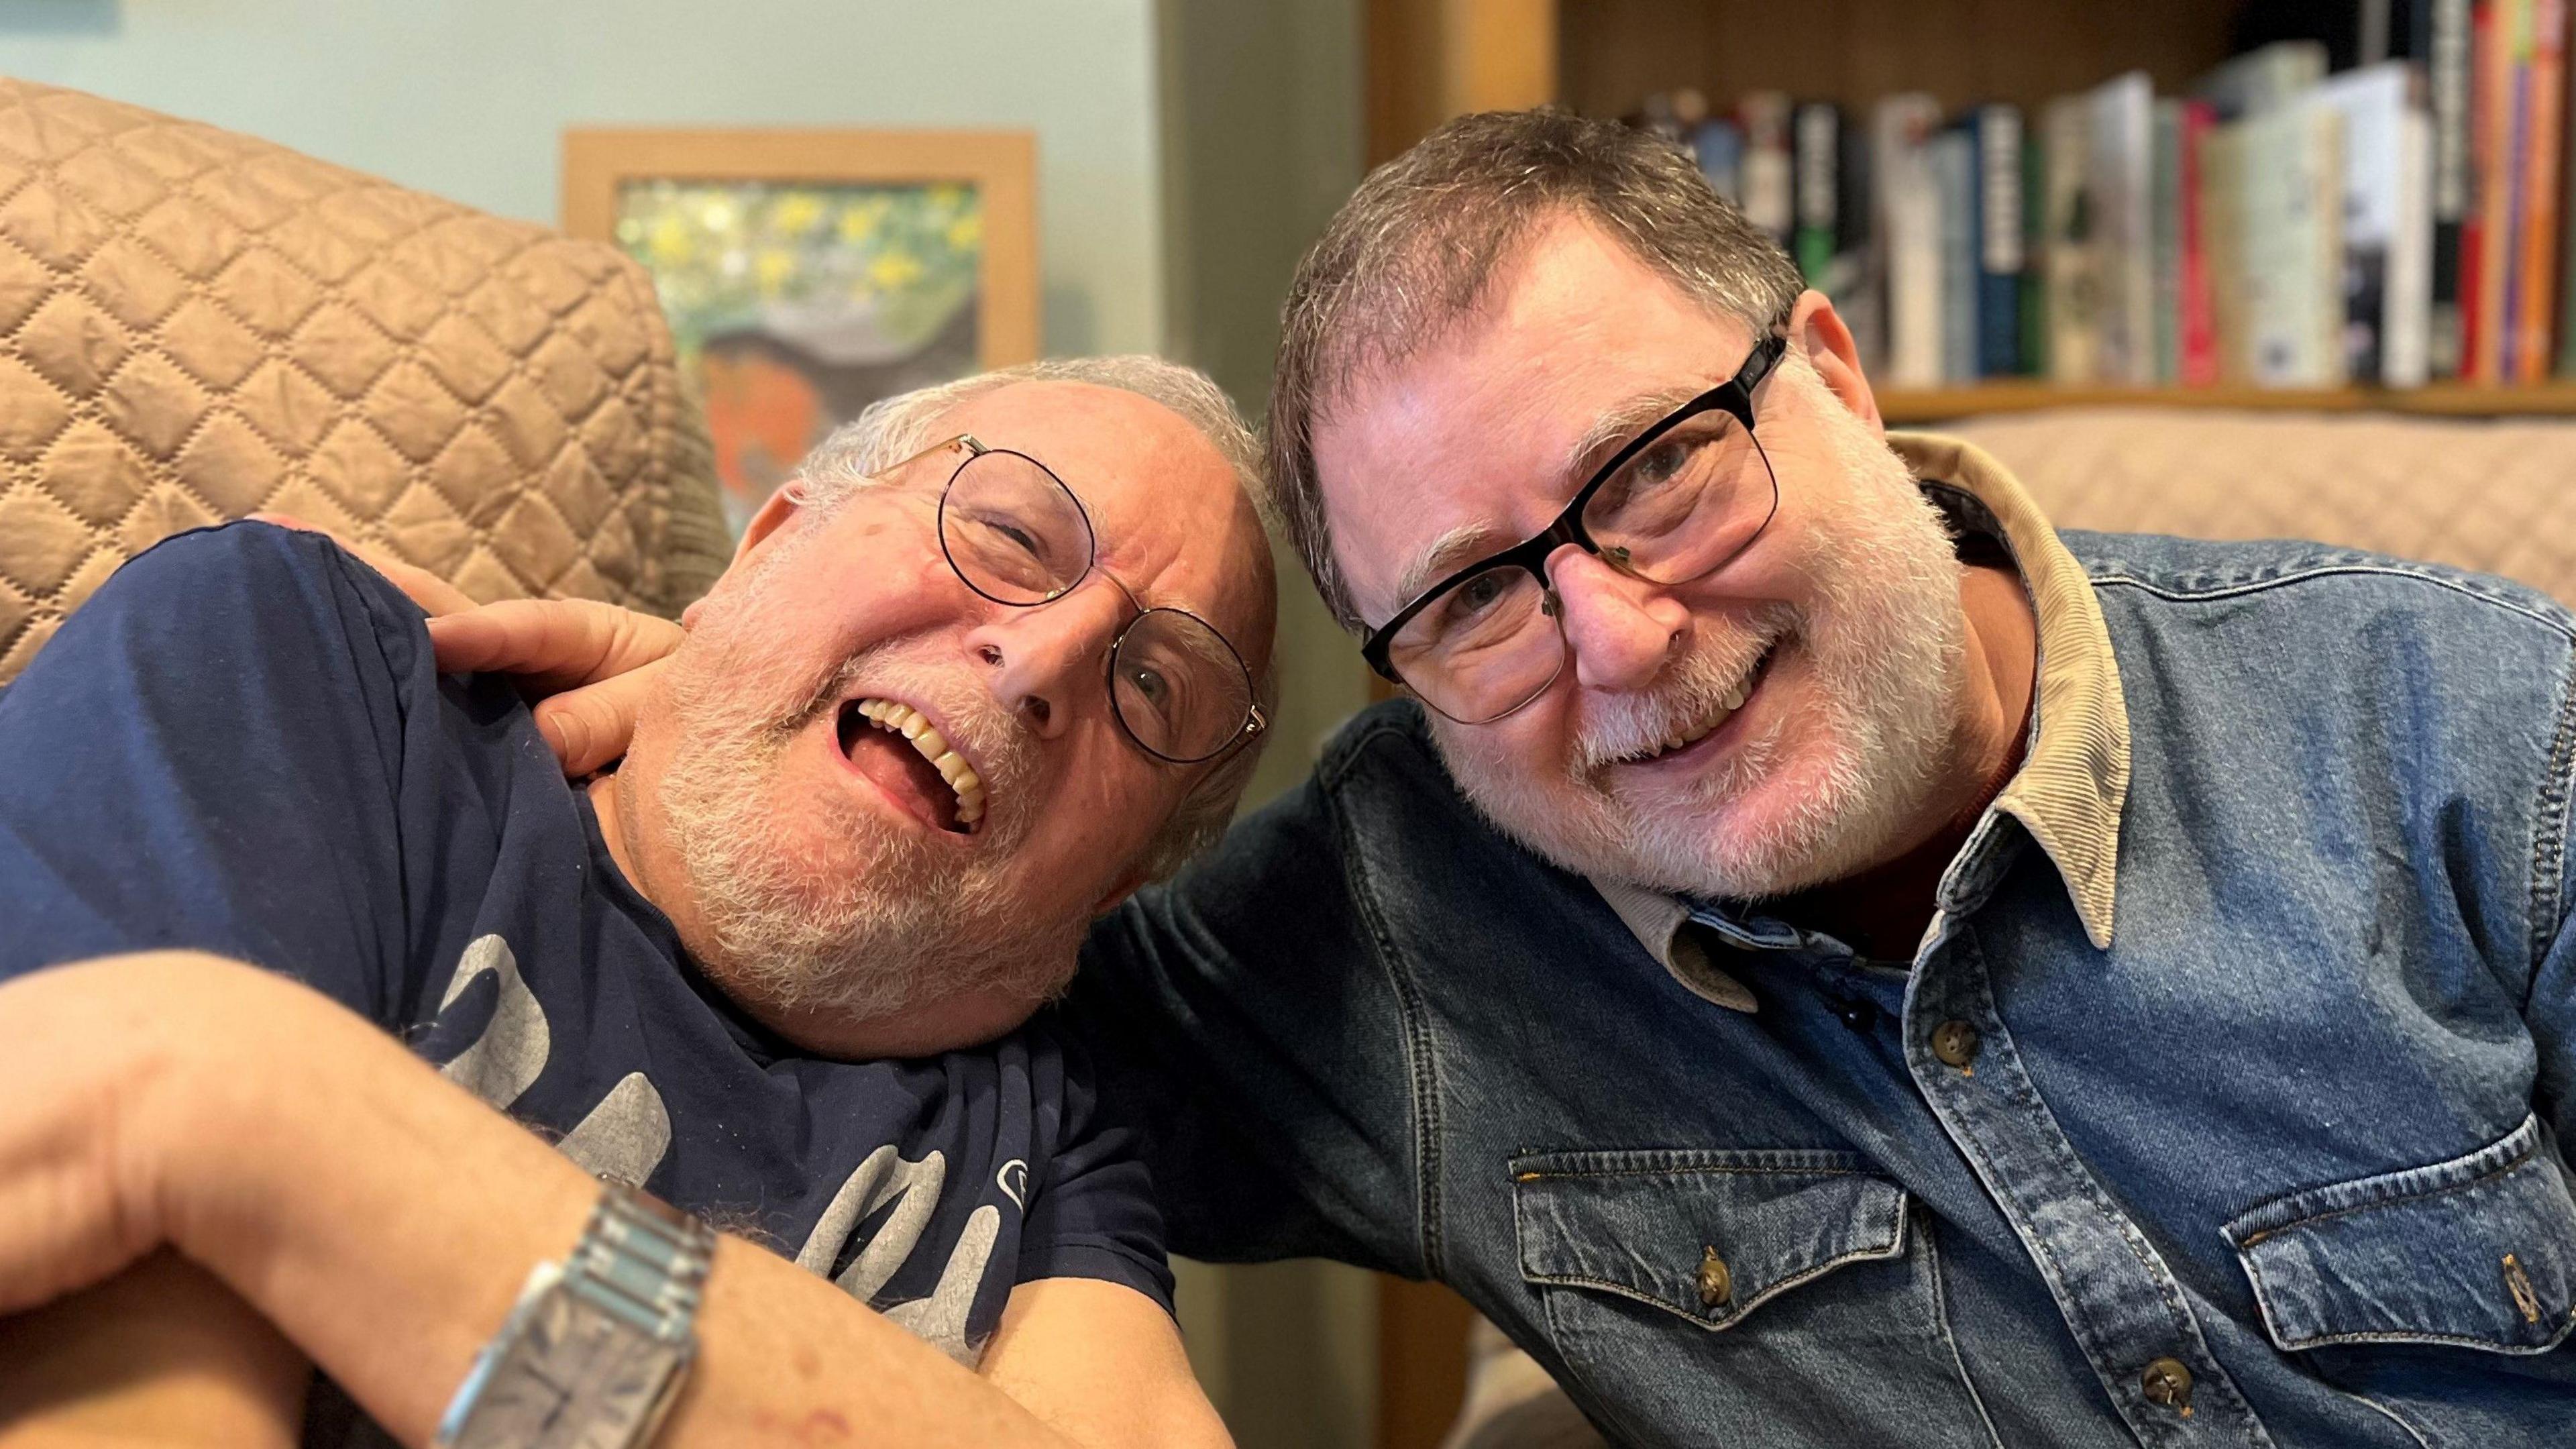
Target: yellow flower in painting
<point x="966" y="232"/>
<point x="771" y="268"/>
<point x="947" y="196"/>
<point x="860" y="219"/>
<point x="894" y="270"/>
<point x="669" y="242"/>
<point x="796" y="212"/>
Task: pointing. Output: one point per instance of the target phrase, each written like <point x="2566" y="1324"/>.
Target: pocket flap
<point x="1707" y="1235"/>
<point x="2477" y="1252"/>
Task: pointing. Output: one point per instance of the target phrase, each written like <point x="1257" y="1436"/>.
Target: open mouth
<point x="903" y="754"/>
<point x="1685" y="742"/>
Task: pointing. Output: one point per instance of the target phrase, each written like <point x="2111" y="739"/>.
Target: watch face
<point x="575" y="1379"/>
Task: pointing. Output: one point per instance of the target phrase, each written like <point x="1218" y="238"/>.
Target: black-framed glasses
<point x="1015" y="534"/>
<point x="1675" y="504"/>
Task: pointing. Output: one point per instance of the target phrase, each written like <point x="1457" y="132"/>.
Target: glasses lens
<point x="1180" y="689"/>
<point x="1014" y="533"/>
<point x="1484" y="648"/>
<point x="1687" y="503"/>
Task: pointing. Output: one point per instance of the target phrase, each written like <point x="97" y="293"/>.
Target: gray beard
<point x="816" y="906"/>
<point x="1887" y="640"/>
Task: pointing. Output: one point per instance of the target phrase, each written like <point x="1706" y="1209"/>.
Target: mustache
<point x="1621" y="727"/>
<point x="976" y="724"/>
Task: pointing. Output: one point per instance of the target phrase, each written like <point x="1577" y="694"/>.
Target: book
<point x="2529" y="341"/>
<point x="1718" y="146"/>
<point x="2440" y="41"/>
<point x="2196" y="326"/>
<point x="2166" y="238"/>
<point x="1770" y="201"/>
<point x="2222" y="220"/>
<point x="1815" y="164"/>
<point x="2386" y="266"/>
<point x="1907" y="206"/>
<point x="2264" y="77"/>
<point x="2290" y="199"/>
<point x="1996" y="133"/>
<point x="1954" y="178"/>
<point x="2121" y="115"/>
<point x="2033" y="288"/>
<point x="2072" y="290"/>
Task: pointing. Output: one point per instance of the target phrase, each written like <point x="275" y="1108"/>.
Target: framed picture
<point x="808" y="273"/>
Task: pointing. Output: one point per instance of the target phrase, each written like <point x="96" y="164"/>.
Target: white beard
<point x="1886" y="644"/>
<point x="815" y="905"/>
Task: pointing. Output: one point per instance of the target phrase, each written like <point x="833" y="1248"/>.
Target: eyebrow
<point x="1617" y="424"/>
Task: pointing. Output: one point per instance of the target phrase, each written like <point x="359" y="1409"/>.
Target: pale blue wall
<point x="467" y="98"/>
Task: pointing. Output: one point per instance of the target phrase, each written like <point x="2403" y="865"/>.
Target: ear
<point x="1819" y="332"/>
<point x="783" y="504"/>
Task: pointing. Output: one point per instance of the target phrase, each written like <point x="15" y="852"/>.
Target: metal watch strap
<point x="642" y="1261"/>
<point x="596" y="1347"/>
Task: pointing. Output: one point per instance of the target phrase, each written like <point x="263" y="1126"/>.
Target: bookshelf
<point x="1429" y="59"/>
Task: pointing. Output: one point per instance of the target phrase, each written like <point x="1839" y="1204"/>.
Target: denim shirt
<point x="2224" y="1103"/>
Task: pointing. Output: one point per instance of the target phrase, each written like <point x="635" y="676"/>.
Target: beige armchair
<point x="195" y="325"/>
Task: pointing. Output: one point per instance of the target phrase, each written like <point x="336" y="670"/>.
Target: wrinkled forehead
<point x="1170" y="518"/>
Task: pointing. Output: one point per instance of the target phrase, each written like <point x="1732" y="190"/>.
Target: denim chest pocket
<point x="2478" y="1252"/>
<point x="1707" y="1236"/>
<point x="1739" y="1292"/>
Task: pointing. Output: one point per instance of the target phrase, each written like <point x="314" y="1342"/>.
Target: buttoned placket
<point x="2117" y="1296"/>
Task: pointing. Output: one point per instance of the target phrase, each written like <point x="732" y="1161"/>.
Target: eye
<point x="1477" y="594"/>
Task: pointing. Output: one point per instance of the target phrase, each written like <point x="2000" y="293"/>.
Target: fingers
<point x="589" y="728"/>
<point x="434" y="595"/>
<point x="551" y="644"/>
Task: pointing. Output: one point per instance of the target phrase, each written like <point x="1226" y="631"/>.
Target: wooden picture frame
<point x="790" y="354"/>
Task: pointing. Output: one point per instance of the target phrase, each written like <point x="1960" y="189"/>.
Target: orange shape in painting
<point x="761" y="416"/>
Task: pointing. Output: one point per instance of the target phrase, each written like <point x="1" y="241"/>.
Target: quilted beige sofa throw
<point x="196" y="324"/>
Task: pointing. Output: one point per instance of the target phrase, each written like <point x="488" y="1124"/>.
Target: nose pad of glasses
<point x="1550" y="605"/>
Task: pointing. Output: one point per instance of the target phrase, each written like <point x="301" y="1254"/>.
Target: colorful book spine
<point x="1954" y="177"/>
<point x="2445" y="49"/>
<point x="1999" y="240"/>
<point x="2536" y="269"/>
<point x="1817" y="132"/>
<point x="2196" y="362"/>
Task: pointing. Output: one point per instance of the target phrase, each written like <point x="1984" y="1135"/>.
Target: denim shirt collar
<point x="2073" y="781"/>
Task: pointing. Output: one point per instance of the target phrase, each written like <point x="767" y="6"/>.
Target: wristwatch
<point x="598" y="1344"/>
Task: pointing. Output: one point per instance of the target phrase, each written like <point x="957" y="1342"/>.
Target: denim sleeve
<point x="1241" y="1017"/>
<point x="2549" y="1006"/>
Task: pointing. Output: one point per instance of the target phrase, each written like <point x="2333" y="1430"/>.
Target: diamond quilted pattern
<point x="2489" y="496"/>
<point x="196" y="324"/>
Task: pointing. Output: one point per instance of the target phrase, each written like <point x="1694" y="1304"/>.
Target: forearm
<point x="160" y="1354"/>
<point x="384" y="1220"/>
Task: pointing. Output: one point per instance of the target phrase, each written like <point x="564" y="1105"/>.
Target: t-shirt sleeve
<point x="1093" y="1215"/>
<point x="207" y="756"/>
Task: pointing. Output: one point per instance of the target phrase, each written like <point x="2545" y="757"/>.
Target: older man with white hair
<point x="995" y="658"/>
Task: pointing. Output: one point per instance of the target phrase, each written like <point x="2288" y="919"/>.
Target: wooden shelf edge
<point x="1910" y="408"/>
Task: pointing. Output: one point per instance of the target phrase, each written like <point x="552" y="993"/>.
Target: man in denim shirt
<point x="1822" y="959"/>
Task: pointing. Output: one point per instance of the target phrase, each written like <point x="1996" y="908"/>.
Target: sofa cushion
<point x="195" y="325"/>
<point x="2485" y="495"/>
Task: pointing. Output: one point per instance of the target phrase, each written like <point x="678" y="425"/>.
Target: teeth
<point x="903" y="719"/>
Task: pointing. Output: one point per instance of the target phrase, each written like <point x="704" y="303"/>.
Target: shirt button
<point x="2168" y="1382"/>
<point x="1716" y="1284"/>
<point x="1955" y="1043"/>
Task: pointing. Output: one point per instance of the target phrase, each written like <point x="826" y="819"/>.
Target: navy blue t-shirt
<point x="241" y="745"/>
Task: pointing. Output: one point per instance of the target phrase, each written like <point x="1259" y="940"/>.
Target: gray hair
<point x="893" y="429"/>
<point x="1416" y="248"/>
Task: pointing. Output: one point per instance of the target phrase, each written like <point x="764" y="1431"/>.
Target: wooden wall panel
<point x="1614" y="52"/>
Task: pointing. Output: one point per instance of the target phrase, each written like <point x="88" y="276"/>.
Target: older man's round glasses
<point x="1675" y="504"/>
<point x="1016" y="535"/>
